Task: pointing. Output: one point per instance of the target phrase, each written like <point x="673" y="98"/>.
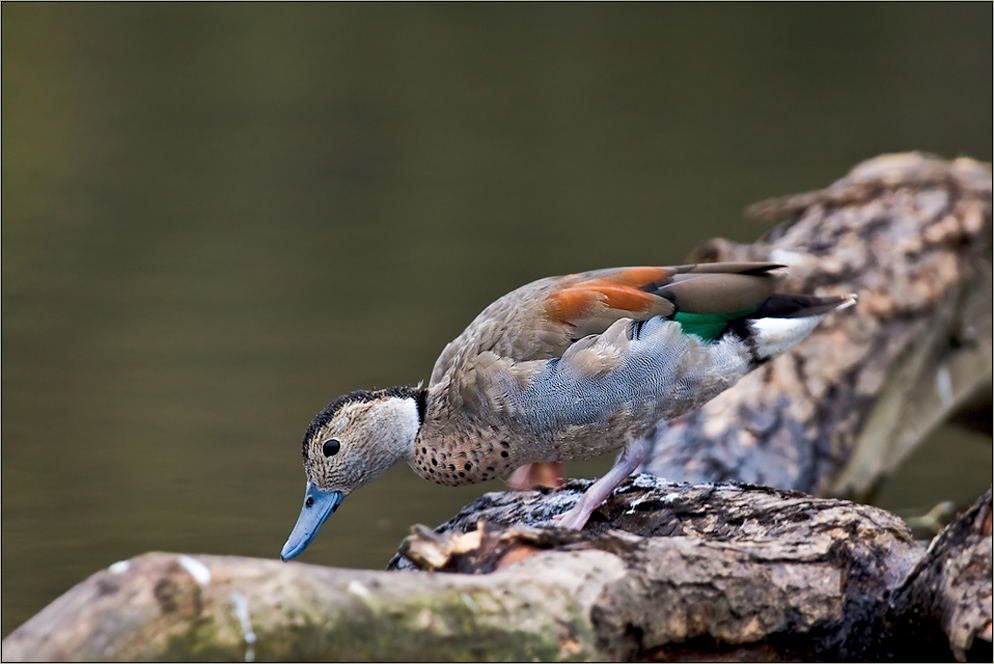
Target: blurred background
<point x="217" y="218"/>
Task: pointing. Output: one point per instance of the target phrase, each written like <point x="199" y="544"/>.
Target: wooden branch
<point x="946" y="599"/>
<point x="162" y="606"/>
<point x="911" y="235"/>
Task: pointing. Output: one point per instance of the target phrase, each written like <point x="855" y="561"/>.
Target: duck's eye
<point x="331" y="447"/>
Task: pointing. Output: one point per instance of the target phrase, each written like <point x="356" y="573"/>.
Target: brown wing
<point x="543" y="319"/>
<point x="592" y="301"/>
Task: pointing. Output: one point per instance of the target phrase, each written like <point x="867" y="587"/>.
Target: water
<point x="217" y="218"/>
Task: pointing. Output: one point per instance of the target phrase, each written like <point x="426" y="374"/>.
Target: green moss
<point x="444" y="629"/>
<point x="461" y="625"/>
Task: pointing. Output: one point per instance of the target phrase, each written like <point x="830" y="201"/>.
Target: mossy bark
<point x="154" y="608"/>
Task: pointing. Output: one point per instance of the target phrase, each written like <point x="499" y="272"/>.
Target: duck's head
<point x="352" y="441"/>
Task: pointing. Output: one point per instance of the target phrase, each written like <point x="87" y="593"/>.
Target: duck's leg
<point x="598" y="492"/>
<point x="548" y="474"/>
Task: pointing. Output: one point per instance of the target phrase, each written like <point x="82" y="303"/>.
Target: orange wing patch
<point x="618" y="292"/>
<point x="637" y="276"/>
<point x="577" y="302"/>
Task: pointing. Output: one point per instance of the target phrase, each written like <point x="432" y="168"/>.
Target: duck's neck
<point x="399" y="417"/>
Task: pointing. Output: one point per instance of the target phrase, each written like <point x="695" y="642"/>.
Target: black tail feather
<point x="783" y="305"/>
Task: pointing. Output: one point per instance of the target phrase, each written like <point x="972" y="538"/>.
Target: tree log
<point x="911" y="236"/>
<point x="673" y="572"/>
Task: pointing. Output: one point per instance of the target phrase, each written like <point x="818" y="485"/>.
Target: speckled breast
<point x="463" y="457"/>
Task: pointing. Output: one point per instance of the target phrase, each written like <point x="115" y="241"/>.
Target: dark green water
<point x="217" y="218"/>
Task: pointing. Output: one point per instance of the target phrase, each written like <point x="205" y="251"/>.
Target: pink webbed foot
<point x="630" y="458"/>
<point x="548" y="474"/>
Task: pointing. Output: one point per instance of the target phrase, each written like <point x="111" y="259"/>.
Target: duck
<point x="563" y="368"/>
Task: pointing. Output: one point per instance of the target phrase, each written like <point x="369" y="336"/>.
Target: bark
<point x="946" y="599"/>
<point x="711" y="572"/>
<point x="911" y="235"/>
